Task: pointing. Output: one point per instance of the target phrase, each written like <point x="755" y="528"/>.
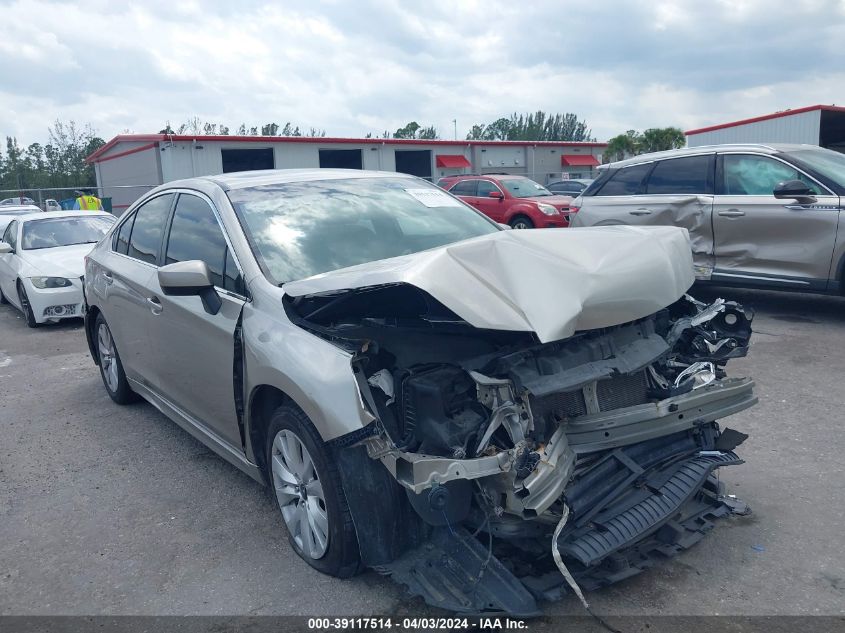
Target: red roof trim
<point x="452" y="161"/>
<point x="134" y="150"/>
<point x="766" y="117"/>
<point x="184" y="138"/>
<point x="579" y="160"/>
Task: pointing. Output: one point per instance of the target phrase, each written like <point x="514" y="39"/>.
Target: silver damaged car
<point x="494" y="418"/>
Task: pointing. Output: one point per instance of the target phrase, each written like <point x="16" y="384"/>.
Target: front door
<point x="10" y="264"/>
<point x="493" y="208"/>
<point x="195" y="349"/>
<point x="762" y="239"/>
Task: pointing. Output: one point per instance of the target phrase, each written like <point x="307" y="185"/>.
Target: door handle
<point x="640" y="212"/>
<point x="732" y="213"/>
<point x="108" y="277"/>
<point x="155" y="305"/>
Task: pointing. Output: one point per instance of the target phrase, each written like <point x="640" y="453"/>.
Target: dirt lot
<point x="115" y="510"/>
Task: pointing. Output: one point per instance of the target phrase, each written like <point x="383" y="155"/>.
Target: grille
<point x="622" y="391"/>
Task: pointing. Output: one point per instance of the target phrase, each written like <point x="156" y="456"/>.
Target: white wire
<point x="559" y="562"/>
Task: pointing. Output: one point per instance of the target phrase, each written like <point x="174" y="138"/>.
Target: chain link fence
<point x="115" y="198"/>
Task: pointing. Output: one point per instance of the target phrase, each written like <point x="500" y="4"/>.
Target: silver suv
<point x="766" y="216"/>
<point x="471" y="410"/>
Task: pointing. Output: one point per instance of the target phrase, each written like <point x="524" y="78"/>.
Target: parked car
<point x="763" y="216"/>
<point x="52" y="205"/>
<point x="10" y="212"/>
<point x="18" y="200"/>
<point x="41" y="262"/>
<point x="425" y="392"/>
<point x="570" y="187"/>
<point x="514" y="200"/>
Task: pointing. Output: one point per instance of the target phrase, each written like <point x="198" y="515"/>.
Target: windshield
<point x="53" y="232"/>
<point x="525" y="188"/>
<point x="305" y="228"/>
<point x="823" y="161"/>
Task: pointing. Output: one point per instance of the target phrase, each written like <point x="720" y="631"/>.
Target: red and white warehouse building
<point x="131" y="164"/>
<point x="816" y="125"/>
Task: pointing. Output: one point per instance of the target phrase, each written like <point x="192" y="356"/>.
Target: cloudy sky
<point x="357" y="66"/>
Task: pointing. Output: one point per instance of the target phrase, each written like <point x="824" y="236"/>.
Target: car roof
<point x="760" y="148"/>
<point x="15" y="208"/>
<point x="262" y="177"/>
<point x="62" y="214"/>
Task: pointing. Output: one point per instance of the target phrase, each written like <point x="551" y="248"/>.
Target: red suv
<point x="514" y="200"/>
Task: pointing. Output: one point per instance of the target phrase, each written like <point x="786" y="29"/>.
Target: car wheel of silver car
<point x="111" y="369"/>
<point x="309" y="494"/>
<point x="26" y="307"/>
<point x="521" y="222"/>
<point x="3" y="297"/>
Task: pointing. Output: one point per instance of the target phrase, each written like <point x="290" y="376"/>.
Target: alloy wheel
<point x="108" y="358"/>
<point x="299" y="491"/>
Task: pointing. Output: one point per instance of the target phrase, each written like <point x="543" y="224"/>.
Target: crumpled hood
<point x="61" y="261"/>
<point x="551" y="282"/>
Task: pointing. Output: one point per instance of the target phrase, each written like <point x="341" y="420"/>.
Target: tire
<point x="27" y="309"/>
<point x="521" y="222"/>
<point x="111" y="368"/>
<point x="329" y="545"/>
<point x="3" y="299"/>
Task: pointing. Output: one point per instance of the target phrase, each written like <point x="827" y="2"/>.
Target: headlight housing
<point x="50" y="282"/>
<point x="546" y="208"/>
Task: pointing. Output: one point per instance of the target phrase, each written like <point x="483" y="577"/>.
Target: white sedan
<point x="42" y="262"/>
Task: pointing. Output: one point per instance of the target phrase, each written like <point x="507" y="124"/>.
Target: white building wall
<point x="125" y="178"/>
<point x="803" y="127"/>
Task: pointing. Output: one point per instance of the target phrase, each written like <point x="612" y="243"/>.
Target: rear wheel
<point x="26" y="307"/>
<point x="111" y="369"/>
<point x="309" y="494"/>
<point x="522" y="222"/>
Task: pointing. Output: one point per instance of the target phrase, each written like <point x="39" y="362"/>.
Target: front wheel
<point x="111" y="369"/>
<point x="521" y="222"/>
<point x="310" y="495"/>
<point x="26" y="307"/>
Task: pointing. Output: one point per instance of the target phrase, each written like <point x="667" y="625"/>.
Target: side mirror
<point x="793" y="190"/>
<point x="184" y="279"/>
<point x="496" y="194"/>
<point x="5" y="247"/>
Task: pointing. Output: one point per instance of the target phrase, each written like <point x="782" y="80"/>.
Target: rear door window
<point x="464" y="188"/>
<point x="148" y="229"/>
<point x="689" y="175"/>
<point x="121" y="239"/>
<point x="626" y="181"/>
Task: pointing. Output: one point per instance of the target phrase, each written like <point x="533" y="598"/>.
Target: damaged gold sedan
<point x="491" y="417"/>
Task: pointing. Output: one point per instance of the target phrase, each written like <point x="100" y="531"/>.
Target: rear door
<point x="679" y="192"/>
<point x="616" y="200"/>
<point x="195" y="349"/>
<point x="766" y="241"/>
<point x="123" y="280"/>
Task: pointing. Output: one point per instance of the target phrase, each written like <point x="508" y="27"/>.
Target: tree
<point x="415" y="130"/>
<point x="408" y="131"/>
<point x="622" y="146"/>
<point x="633" y="143"/>
<point x="532" y="126"/>
<point x="661" y="139"/>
